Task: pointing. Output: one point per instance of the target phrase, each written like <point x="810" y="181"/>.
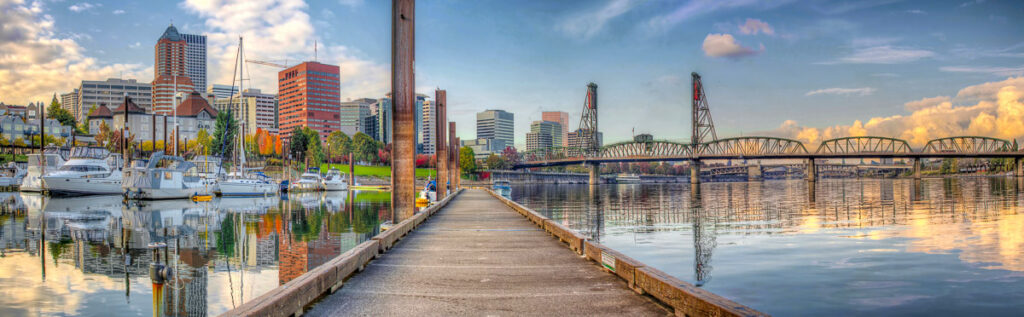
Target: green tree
<point x="297" y="145"/>
<point x="224" y="135"/>
<point x="467" y="160"/>
<point x="496" y="162"/>
<point x="314" y="151"/>
<point x="338" y="144"/>
<point x="203" y="140"/>
<point x="54" y="111"/>
<point x="364" y="147"/>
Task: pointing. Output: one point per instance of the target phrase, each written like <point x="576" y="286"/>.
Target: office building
<point x="110" y="94"/>
<point x="253" y="110"/>
<point x="309" y="95"/>
<point x="69" y="102"/>
<point x="482" y="148"/>
<point x="496" y="125"/>
<point x="195" y="59"/>
<point x="221" y="91"/>
<point x="574" y="138"/>
<point x="543" y="135"/>
<point x="562" y="118"/>
<point x="353" y="115"/>
<point x="383" y="117"/>
<point x="427" y="128"/>
<point x="170" y="71"/>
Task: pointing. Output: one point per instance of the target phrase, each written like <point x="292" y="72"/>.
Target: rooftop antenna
<point x="315" y="51"/>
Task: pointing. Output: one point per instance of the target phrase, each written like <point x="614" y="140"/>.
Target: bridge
<point x="705" y="145"/>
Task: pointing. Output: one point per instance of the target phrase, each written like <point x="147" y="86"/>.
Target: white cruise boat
<point x="165" y="177"/>
<point x="255" y="184"/>
<point x="309" y="181"/>
<point x="39" y="165"/>
<point x="11" y="175"/>
<point x="90" y="171"/>
<point x="335" y="180"/>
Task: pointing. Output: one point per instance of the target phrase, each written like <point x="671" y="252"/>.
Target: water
<point x="854" y="247"/>
<point x="91" y="255"/>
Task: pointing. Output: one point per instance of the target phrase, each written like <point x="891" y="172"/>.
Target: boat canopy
<point x="90" y="152"/>
<point x="176" y="162"/>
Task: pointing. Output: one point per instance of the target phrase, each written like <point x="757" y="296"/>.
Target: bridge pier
<point x="1018" y="167"/>
<point x="754" y="172"/>
<point x="917" y="167"/>
<point x="811" y="170"/>
<point x="594" y="170"/>
<point x="694" y="171"/>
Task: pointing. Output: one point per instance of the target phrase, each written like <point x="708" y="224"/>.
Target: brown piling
<point x="441" y="151"/>
<point x="403" y="82"/>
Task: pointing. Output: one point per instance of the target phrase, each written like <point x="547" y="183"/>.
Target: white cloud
<point x="36" y="62"/>
<point x="725" y="45"/>
<point x="842" y="91"/>
<point x="83" y="6"/>
<point x="994" y="109"/>
<point x="590" y="23"/>
<point x="277" y="30"/>
<point x="753" y="26"/>
<point x="136" y="45"/>
<point x="884" y="54"/>
<point x="1000" y="71"/>
<point x="118" y="12"/>
<point x="916" y="11"/>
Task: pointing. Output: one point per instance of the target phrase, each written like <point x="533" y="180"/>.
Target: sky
<point x="808" y="70"/>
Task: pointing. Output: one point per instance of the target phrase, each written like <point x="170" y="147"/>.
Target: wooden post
<point x="458" y="167"/>
<point x="441" y="148"/>
<point x="165" y="136"/>
<point x="452" y="153"/>
<point x="176" y="131"/>
<point x="351" y="170"/>
<point x="403" y="106"/>
<point x="152" y="133"/>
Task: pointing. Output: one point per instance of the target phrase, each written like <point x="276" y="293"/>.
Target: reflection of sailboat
<point x="257" y="205"/>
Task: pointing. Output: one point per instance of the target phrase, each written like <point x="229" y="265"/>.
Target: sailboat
<point x="240" y="182"/>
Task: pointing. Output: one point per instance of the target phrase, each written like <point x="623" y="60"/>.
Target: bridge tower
<point x="588" y="138"/>
<point x="702" y="125"/>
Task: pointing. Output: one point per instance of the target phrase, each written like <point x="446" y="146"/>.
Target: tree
<point x="314" y="151"/>
<point x="510" y="155"/>
<point x="467" y="160"/>
<point x="297" y="147"/>
<point x="338" y="145"/>
<point x="364" y="147"/>
<point x="83" y="128"/>
<point x="384" y="154"/>
<point x="224" y="135"/>
<point x="496" y="162"/>
<point x="203" y="141"/>
<point x="60" y="114"/>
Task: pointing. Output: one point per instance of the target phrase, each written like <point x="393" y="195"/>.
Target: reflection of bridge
<point x="646" y="149"/>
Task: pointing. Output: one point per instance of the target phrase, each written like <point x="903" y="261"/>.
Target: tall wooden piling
<point x="403" y="82"/>
<point x="441" y="151"/>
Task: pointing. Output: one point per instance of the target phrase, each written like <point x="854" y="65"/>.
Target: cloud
<point x="994" y="109"/>
<point x="725" y="45"/>
<point x="842" y="91"/>
<point x="848" y="6"/>
<point x="36" y="62"/>
<point x="691" y="9"/>
<point x="884" y="54"/>
<point x="753" y="26"/>
<point x="916" y="11"/>
<point x="590" y="23"/>
<point x="1001" y="71"/>
<point x="277" y="30"/>
<point x="136" y="45"/>
<point x="84" y="6"/>
<point x="118" y="12"/>
<point x="970" y="3"/>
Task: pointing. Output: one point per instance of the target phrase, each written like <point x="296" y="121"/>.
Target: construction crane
<point x="265" y="63"/>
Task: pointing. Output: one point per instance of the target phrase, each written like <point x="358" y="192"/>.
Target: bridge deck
<point x="479" y="257"/>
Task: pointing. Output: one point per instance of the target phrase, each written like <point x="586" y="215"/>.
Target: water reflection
<point x="793" y="247"/>
<point x="91" y="255"/>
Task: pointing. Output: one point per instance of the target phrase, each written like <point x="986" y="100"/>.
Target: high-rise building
<point x="309" y="95"/>
<point x="170" y="71"/>
<point x="354" y="114"/>
<point x="497" y="125"/>
<point x="110" y="94"/>
<point x="221" y="91"/>
<point x="383" y="117"/>
<point x="427" y="127"/>
<point x="69" y="102"/>
<point x="418" y="121"/>
<point x="574" y="138"/>
<point x="562" y="118"/>
<point x="252" y="108"/>
<point x="195" y="59"/>
<point x="543" y="135"/>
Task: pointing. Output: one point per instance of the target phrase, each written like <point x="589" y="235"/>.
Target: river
<point x="869" y="247"/>
<point x="90" y="256"/>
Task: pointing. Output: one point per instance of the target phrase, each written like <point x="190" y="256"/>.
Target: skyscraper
<point x="69" y="102"/>
<point x="353" y="115"/>
<point x="543" y="135"/>
<point x="496" y="125"/>
<point x="309" y="95"/>
<point x="562" y="118"/>
<point x="421" y="99"/>
<point x="383" y="116"/>
<point x="428" y="126"/>
<point x="195" y="59"/>
<point x="170" y="71"/>
<point x="221" y="91"/>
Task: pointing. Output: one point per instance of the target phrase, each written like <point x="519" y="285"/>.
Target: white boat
<point x="11" y="175"/>
<point x="165" y="177"/>
<point x="256" y="184"/>
<point x="209" y="168"/>
<point x="335" y="180"/>
<point x="39" y="165"/>
<point x="309" y="181"/>
<point x="90" y="171"/>
<point x="628" y="178"/>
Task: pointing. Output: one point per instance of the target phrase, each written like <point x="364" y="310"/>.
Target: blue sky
<point x="775" y="67"/>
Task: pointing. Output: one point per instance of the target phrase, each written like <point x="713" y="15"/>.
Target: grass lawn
<point x="377" y="171"/>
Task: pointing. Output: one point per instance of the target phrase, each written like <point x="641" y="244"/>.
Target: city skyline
<point x="801" y="70"/>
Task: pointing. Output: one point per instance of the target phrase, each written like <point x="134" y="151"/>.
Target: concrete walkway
<point x="479" y="257"/>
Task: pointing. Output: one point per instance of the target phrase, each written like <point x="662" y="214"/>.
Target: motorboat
<point x="210" y="169"/>
<point x="429" y="192"/>
<point x="90" y="171"/>
<point x="310" y="181"/>
<point x="39" y="165"/>
<point x="628" y="178"/>
<point x="335" y="180"/>
<point x="11" y="174"/>
<point x="165" y="177"/>
<point x="503" y="188"/>
<point x="255" y="184"/>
